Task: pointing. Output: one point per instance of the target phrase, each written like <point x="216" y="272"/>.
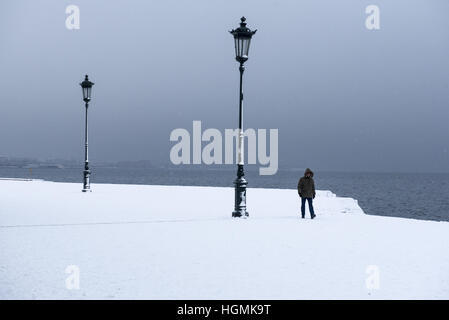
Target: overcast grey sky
<point x="343" y="97"/>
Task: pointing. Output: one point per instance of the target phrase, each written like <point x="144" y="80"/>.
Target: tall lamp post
<point x="242" y="39"/>
<point x="86" y="86"/>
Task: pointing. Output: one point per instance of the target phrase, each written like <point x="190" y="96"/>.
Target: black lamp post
<point x="242" y="39"/>
<point x="86" y="85"/>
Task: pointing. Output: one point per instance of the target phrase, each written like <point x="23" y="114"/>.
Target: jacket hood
<point x="308" y="171"/>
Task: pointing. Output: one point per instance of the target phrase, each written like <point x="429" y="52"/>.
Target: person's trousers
<point x="303" y="206"/>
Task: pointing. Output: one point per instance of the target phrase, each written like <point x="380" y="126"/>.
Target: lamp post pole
<point x="86" y="86"/>
<point x="86" y="172"/>
<point x="242" y="38"/>
<point x="240" y="183"/>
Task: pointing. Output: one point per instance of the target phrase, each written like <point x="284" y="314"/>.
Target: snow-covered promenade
<point x="172" y="242"/>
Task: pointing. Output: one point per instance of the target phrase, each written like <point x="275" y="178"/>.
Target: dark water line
<point x="408" y="195"/>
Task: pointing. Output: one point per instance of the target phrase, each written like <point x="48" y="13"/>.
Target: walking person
<point x="306" y="190"/>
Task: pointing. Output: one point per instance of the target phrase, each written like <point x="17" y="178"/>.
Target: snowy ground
<point x="170" y="242"/>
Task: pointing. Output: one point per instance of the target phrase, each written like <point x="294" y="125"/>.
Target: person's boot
<point x="302" y="217"/>
<point x="313" y="216"/>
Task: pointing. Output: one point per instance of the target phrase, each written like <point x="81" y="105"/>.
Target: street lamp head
<point x="242" y="39"/>
<point x="86" y="85"/>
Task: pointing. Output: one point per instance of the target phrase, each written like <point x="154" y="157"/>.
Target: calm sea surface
<point x="410" y="195"/>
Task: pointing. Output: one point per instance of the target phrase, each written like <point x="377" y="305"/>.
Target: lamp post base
<point x="240" y="195"/>
<point x="86" y="180"/>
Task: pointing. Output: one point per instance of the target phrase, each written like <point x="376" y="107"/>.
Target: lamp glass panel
<point x="236" y="43"/>
<point x="245" y="49"/>
<point x="240" y="47"/>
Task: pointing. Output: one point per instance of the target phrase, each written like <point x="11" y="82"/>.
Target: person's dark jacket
<point x="306" y="185"/>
